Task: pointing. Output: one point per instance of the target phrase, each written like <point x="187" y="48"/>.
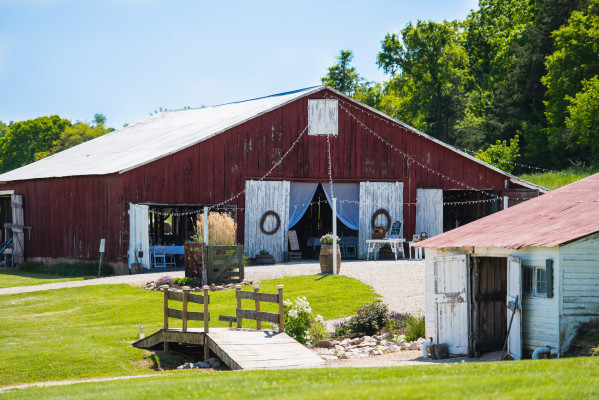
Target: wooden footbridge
<point x="238" y="348"/>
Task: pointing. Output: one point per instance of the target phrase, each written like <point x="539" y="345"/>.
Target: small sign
<point x="396" y="228"/>
<point x="102" y="245"/>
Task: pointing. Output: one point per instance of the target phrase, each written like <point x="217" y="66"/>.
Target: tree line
<point x="27" y="141"/>
<point x="515" y="80"/>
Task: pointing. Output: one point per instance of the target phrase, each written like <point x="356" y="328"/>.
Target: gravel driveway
<point x="401" y="283"/>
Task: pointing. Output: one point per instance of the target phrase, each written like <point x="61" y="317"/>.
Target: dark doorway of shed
<point x="318" y="221"/>
<point x="489" y="305"/>
<point x="5" y="217"/>
<point x="463" y="206"/>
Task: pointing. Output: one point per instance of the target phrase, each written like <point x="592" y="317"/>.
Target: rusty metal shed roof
<point x="558" y="217"/>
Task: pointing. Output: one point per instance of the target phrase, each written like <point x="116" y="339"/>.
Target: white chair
<point x="159" y="257"/>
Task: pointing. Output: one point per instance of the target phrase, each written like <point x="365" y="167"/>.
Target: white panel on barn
<point x="323" y="117"/>
<point x="451" y="302"/>
<point x="18" y="221"/>
<point x="139" y="237"/>
<point x="514" y="288"/>
<point x="261" y="197"/>
<point x="429" y="211"/>
<point x="375" y="196"/>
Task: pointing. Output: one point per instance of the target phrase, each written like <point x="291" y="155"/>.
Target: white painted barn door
<point x="260" y="197"/>
<point x="374" y="196"/>
<point x="451" y="302"/>
<point x="429" y="211"/>
<point x="139" y="237"/>
<point x="18" y="221"/>
<point x="514" y="288"/>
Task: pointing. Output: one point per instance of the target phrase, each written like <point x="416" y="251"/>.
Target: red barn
<point x="286" y="154"/>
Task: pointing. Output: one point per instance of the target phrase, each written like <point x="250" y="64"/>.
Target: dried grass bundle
<point x="221" y="229"/>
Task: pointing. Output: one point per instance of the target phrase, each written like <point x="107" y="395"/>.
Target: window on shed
<point x="535" y="281"/>
<point x="323" y="117"/>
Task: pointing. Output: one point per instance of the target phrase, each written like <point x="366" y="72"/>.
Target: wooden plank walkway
<point x="242" y="348"/>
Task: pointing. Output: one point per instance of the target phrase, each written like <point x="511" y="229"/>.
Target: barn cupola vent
<point x="323" y="117"/>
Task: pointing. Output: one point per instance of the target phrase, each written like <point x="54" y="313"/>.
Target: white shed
<point x="543" y="252"/>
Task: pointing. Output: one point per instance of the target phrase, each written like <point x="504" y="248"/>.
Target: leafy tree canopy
<point x="501" y="154"/>
<point x="341" y="76"/>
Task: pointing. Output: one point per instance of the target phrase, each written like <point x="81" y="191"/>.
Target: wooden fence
<point x="194" y="260"/>
<point x="257" y="315"/>
<point x="224" y="263"/>
<point x="184" y="314"/>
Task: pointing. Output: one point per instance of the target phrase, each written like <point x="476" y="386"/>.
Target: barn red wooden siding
<point x="70" y="215"/>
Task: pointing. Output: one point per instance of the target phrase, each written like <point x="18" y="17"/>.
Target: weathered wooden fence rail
<point x="224" y="263"/>
<point x="257" y="315"/>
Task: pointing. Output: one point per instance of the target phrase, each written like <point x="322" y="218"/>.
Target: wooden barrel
<point x="326" y="258"/>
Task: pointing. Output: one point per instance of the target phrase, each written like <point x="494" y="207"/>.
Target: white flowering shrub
<point x="299" y="319"/>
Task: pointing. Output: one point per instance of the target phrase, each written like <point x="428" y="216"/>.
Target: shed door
<point x="451" y="302"/>
<point x="18" y="222"/>
<point x="139" y="237"/>
<point x="514" y="288"/>
<point x="429" y="211"/>
<point x="373" y="197"/>
<point x="261" y="197"/>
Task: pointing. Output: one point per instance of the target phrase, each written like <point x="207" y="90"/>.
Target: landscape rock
<point x="325" y="343"/>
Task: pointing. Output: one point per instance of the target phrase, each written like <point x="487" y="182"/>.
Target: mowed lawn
<point x="19" y="278"/>
<point x="539" y="379"/>
<point x="86" y="332"/>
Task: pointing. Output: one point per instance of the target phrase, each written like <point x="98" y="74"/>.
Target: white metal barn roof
<point x="150" y="139"/>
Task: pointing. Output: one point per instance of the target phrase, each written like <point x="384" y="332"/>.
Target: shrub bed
<point x="75" y="269"/>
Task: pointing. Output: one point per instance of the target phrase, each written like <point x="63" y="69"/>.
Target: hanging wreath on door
<point x="384" y="213"/>
<point x="277" y="224"/>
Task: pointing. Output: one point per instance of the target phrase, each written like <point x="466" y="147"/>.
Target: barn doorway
<point x="317" y="221"/>
<point x="489" y="309"/>
<point x="463" y="206"/>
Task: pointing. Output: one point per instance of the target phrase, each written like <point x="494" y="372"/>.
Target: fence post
<point x="205" y="288"/>
<point x="185" y="300"/>
<point x="237" y="290"/>
<point x="165" y="289"/>
<point x="258" y="322"/>
<point x="281" y="311"/>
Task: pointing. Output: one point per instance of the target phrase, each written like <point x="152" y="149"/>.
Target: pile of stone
<point x="210" y="363"/>
<point x="365" y="346"/>
<point x="213" y="287"/>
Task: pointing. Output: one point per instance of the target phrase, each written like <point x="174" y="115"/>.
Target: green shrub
<point x="164" y="280"/>
<point x="75" y="269"/>
<point x="318" y="331"/>
<point x="414" y="328"/>
<point x="370" y="319"/>
<point x="80" y="268"/>
<point x="34" y="266"/>
<point x="186" y="282"/>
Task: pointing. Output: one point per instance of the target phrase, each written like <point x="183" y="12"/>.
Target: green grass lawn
<point x="14" y="278"/>
<point x="86" y="332"/>
<point x="539" y="379"/>
<point x="554" y="180"/>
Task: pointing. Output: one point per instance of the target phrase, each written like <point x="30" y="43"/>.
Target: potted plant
<point x="264" y="257"/>
<point x="326" y="254"/>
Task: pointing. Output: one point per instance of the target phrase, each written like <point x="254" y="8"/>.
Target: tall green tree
<point x="429" y="76"/>
<point x="574" y="62"/>
<point x="582" y="121"/>
<point x="26" y="138"/>
<point x="342" y="76"/>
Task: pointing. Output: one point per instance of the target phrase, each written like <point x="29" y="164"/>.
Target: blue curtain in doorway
<point x="300" y="196"/>
<point x="348" y="213"/>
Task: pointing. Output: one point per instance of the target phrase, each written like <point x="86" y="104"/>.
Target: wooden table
<point x="418" y="251"/>
<point x="374" y="246"/>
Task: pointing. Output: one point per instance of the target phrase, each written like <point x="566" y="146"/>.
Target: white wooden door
<point x="261" y="197"/>
<point x="375" y="196"/>
<point x="139" y="236"/>
<point x="18" y="221"/>
<point x="514" y="288"/>
<point x="451" y="302"/>
<point x="429" y="211"/>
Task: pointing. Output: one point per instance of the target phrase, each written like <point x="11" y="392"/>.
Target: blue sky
<point x="126" y="58"/>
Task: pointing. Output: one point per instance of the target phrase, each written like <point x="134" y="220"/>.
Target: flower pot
<point x="326" y="258"/>
<point x="264" y="259"/>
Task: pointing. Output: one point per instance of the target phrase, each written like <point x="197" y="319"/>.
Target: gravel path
<point x="401" y="283"/>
